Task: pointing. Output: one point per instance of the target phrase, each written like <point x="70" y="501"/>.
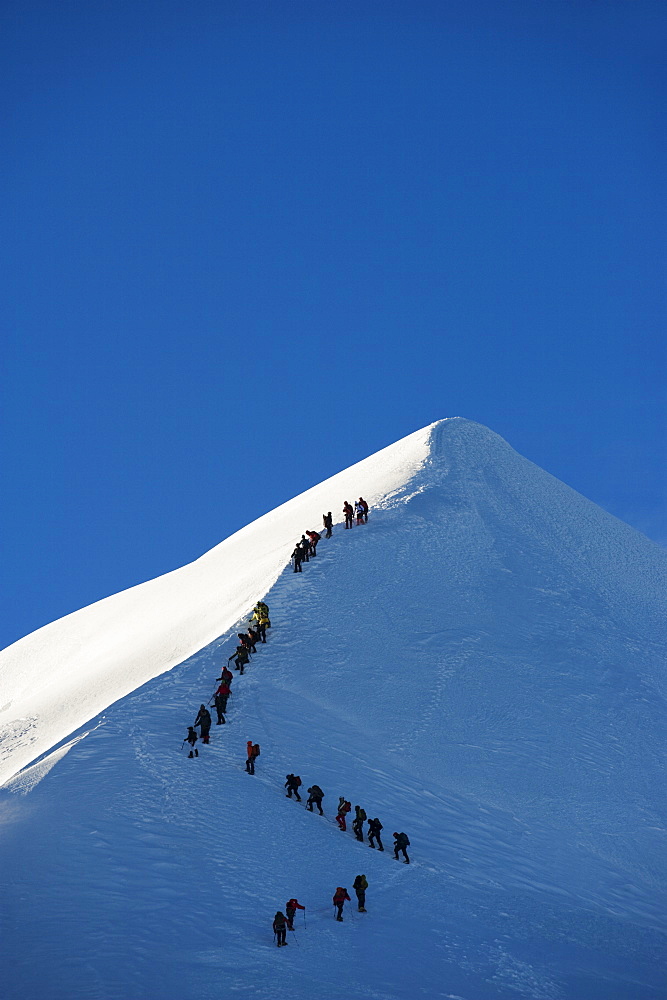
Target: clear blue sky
<point x="249" y="243"/>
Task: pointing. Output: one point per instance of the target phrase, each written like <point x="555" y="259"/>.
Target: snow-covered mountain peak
<point x="480" y="665"/>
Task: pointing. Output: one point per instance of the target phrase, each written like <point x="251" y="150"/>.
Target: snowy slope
<point x="59" y="677"/>
<point x="482" y="666"/>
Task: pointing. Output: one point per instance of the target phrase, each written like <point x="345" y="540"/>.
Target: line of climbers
<point x="306" y="548"/>
<point x="248" y="642"/>
<point x="282" y="922"/>
<point x="361" y="510"/>
<point x="315" y="795"/>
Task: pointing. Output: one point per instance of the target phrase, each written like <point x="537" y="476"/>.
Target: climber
<point x="358" y="822"/>
<point x="204" y="721"/>
<point x="240" y="657"/>
<point x="220" y="701"/>
<point x="374" y="827"/>
<point x="291" y="907"/>
<point x="280" y="928"/>
<point x="192" y="739"/>
<point x="250" y="762"/>
<point x="360" y="885"/>
<point x="400" y="843"/>
<point x="292" y="785"/>
<point x="315" y="796"/>
<point x="314" y="539"/>
<point x="339" y="898"/>
<point x="343" y="809"/>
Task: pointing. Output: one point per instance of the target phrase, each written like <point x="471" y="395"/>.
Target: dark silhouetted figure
<point x="315" y="796"/>
<point x="292" y="785"/>
<point x="374" y="827"/>
<point x="192" y="739"/>
<point x="204" y="720"/>
<point x="358" y="822"/>
<point x="400" y="843"/>
<point x="280" y="928"/>
<point x="360" y="885"/>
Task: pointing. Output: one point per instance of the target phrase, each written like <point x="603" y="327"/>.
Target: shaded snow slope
<point x="59" y="677"/>
<point x="482" y="666"/>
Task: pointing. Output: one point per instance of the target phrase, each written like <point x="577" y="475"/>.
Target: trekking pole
<point x="296" y="938"/>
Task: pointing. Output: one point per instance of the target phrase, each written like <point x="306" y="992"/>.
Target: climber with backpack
<point x="261" y="616"/>
<point x="192" y="738"/>
<point x="360" y="885"/>
<point x="358" y="822"/>
<point x="280" y="928"/>
<point x="220" y="701"/>
<point x="247" y="641"/>
<point x="400" y="843"/>
<point x="343" y="809"/>
<point x="204" y="721"/>
<point x="364" y="507"/>
<point x="314" y="537"/>
<point x="305" y="548"/>
<point x="315" y="796"/>
<point x="226" y="676"/>
<point x="339" y="898"/>
<point x="348" y="512"/>
<point x="292" y="785"/>
<point x="241" y="657"/>
<point x="374" y="827"/>
<point x="327" y="521"/>
<point x="252" y="750"/>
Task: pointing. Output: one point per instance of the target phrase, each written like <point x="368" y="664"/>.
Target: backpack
<point x="316" y="792"/>
<point x="255" y="750"/>
<point x="297" y="780"/>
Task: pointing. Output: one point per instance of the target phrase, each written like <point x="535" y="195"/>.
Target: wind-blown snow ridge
<point x="59" y="677"/>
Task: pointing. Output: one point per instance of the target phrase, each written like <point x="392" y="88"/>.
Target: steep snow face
<point x="57" y="678"/>
<point x="482" y="666"/>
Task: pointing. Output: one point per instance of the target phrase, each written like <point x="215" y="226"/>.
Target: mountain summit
<point x="481" y="665"/>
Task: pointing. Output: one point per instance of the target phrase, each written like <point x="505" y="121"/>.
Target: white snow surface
<point x="59" y="677"/>
<point x="481" y="666"/>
